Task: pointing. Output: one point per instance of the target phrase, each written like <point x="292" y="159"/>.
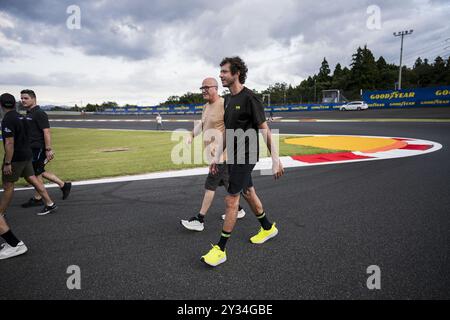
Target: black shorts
<point x="219" y="179"/>
<point x="39" y="160"/>
<point x="239" y="178"/>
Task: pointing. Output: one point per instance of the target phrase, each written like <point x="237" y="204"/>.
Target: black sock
<point x="201" y="217"/>
<point x="262" y="218"/>
<point x="10" y="238"/>
<point x="223" y="239"/>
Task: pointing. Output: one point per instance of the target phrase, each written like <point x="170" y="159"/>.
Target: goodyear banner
<point x="408" y="98"/>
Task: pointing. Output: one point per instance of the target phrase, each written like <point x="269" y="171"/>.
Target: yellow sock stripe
<point x="226" y="235"/>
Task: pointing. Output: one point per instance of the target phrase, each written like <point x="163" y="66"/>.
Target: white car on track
<point x="354" y="105"/>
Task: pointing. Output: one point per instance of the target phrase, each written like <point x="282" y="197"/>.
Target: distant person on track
<point x="41" y="146"/>
<point x="16" y="164"/>
<point x="212" y="119"/>
<point x="159" y="125"/>
<point x="244" y="113"/>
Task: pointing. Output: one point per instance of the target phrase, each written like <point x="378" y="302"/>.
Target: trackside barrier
<point x="388" y="99"/>
<point x="408" y="98"/>
<point x="197" y="109"/>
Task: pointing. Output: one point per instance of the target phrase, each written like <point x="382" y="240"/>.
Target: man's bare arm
<point x="9" y="152"/>
<point x="48" y="144"/>
<point x="198" y="126"/>
<point x="9" y="149"/>
<point x="277" y="166"/>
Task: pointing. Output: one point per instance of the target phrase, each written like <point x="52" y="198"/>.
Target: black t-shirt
<point x="243" y="111"/>
<point x="15" y="126"/>
<point x="38" y="121"/>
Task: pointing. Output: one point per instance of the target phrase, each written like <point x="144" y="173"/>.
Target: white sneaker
<point x="8" y="252"/>
<point x="193" y="224"/>
<point x="240" y="215"/>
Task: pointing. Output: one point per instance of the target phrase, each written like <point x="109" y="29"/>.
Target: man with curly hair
<point x="211" y="123"/>
<point x="244" y="117"/>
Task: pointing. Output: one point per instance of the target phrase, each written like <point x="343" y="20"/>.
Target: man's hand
<point x="189" y="139"/>
<point x="277" y="168"/>
<point x="50" y="155"/>
<point x="213" y="168"/>
<point x="7" y="169"/>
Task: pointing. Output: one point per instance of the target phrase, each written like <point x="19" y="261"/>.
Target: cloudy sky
<point x="141" y="52"/>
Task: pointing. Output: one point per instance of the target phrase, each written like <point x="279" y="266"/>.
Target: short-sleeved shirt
<point x="212" y="119"/>
<point x="244" y="111"/>
<point x="38" y="121"/>
<point x="15" y="126"/>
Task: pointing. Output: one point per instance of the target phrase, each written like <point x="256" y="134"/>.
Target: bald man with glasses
<point x="211" y="124"/>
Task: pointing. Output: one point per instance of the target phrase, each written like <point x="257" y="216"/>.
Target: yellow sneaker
<point x="264" y="235"/>
<point x="215" y="256"/>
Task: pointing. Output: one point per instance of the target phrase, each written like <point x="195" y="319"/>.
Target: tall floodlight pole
<point x="401" y="34"/>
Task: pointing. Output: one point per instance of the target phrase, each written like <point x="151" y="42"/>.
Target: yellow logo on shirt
<point x="238" y="107"/>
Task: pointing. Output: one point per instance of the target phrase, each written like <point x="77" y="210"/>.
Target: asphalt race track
<point x="334" y="222"/>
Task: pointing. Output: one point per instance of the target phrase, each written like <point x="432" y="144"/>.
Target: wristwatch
<point x="48" y="149"/>
<point x="7" y="163"/>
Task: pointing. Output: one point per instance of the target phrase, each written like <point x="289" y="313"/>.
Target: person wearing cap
<point x="16" y="164"/>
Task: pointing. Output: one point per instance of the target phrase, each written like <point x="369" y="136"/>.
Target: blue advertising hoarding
<point x="408" y="98"/>
<point x="388" y="99"/>
<point x="173" y="109"/>
<point x="197" y="109"/>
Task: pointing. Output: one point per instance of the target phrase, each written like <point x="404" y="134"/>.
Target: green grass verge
<point x="82" y="154"/>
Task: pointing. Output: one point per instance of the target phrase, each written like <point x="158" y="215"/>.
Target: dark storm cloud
<point x="141" y="29"/>
<point x="110" y="28"/>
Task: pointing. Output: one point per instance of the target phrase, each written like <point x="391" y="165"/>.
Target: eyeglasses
<point x="205" y="88"/>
